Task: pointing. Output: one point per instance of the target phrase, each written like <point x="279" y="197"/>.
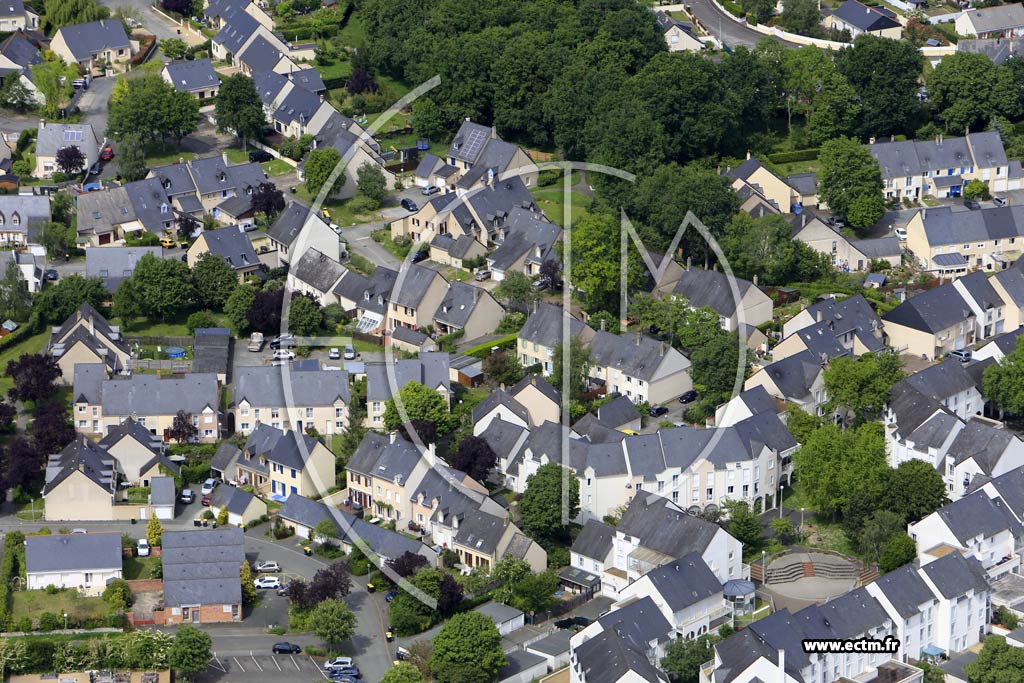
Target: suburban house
<point x="81" y="482"/>
<point x="542" y="332"/>
<point x="932" y="323"/>
<point x="355" y="147"/>
<point x="999" y="347"/>
<point x="418" y="293"/>
<point x="379" y="472"/>
<point x="530" y="240"/>
<point x="83" y="562"/>
<point x="384" y="380"/>
<point x="87" y="337"/>
<point x="231" y="244"/>
<point x="96" y="46"/>
<point x="469" y="309"/>
<point x="201" y="576"/>
<point x="278" y="464"/>
<point x="19" y="52"/>
<point x="859" y="19"/>
<point x="315" y="274"/>
<point x="784" y="195"/>
<point x="153" y="402"/>
<point x="1004" y="21"/>
<point x="312" y="398"/>
<point x="53" y="136"/>
<point x="679" y="35"/>
<point x="196" y="77"/>
<point x="643" y="369"/>
<point x="455" y="252"/>
<point x="851" y="322"/>
<point x="624" y="645"/>
<point x="139" y="454"/>
<point x="242" y="506"/>
<point x="109" y="216"/>
<point x="298" y="229"/>
<point x="749" y="306"/>
<point x="27" y="265"/>
<point x="942" y="167"/>
<point x="15" y="16"/>
<point x="476" y="155"/>
<point x="114" y="264"/>
<point x="949" y="244"/>
<point x="845" y="253"/>
<point x="798" y="378"/>
<point x="22" y="218"/>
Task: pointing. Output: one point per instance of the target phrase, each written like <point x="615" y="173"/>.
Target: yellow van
<point x="166" y="243"/>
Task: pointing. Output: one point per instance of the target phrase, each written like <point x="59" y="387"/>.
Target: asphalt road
<point x="723" y="27"/>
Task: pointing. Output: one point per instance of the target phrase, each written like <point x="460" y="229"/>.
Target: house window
<point x="309" y="412"/>
<point x="293" y="472"/>
<point x="245" y="426"/>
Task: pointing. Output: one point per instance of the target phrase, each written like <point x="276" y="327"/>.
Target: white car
<point x="267" y="567"/>
<point x="267" y="582"/>
<point x="208" y="486"/>
<point x="142" y="548"/>
<point x="902" y="234"/>
<point x="334" y="354"/>
<point x="337" y="663"/>
<point x="284" y="354"/>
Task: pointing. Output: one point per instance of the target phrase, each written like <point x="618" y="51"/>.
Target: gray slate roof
<point x="211" y="351"/>
<point x="413" y="284"/>
<point x="32" y="212"/>
<point x="149" y="395"/>
<point x="607" y="658"/>
<point x="636" y="355"/>
<point x="72" y="553"/>
<point x="188" y="76"/>
<point x="661" y="526"/>
<point x="318" y="270"/>
<point x="54" y="136"/>
<point x="430" y="368"/>
<point x="202" y="567"/>
<point x="85" y="40"/>
<point x="931" y="311"/>
<point x="915" y="157"/>
<point x="865" y="18"/>
<point x="1001" y="18"/>
<point x="685" y="582"/>
<point x="161" y="491"/>
<point x="544" y="326"/>
<point x="457" y="306"/>
<point x="617" y="412"/>
<point x="978" y="515"/>
<point x="712" y="289"/>
<point x="234" y="499"/>
<point x="265" y="386"/>
<point x="114" y="264"/>
<point x="954" y="575"/>
<point x="595" y="540"/>
<point x="905" y="589"/>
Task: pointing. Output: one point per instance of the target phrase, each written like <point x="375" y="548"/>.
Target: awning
<point x="579" y="577"/>
<point x="933" y="651"/>
<point x="948" y="181"/>
<point x="954" y="260"/>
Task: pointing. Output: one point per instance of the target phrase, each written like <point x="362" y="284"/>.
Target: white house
<point x="87" y="562"/>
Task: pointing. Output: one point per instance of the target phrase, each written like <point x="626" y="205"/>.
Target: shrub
<point x="548" y="177"/>
<point x="733" y="9"/>
<point x="118" y="594"/>
<point x="48" y="621"/>
<point x="790" y="157"/>
<point x="52" y="590"/>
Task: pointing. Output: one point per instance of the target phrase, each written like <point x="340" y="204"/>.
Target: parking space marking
<point x="255" y="662"/>
<point x="214" y="662"/>
<point x="319" y="668"/>
<point x="297" y="667"/>
<point x="277" y="664"/>
<point x="239" y="664"/>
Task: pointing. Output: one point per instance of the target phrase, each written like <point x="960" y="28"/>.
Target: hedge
<point x="336" y="82"/>
<point x="733" y="9"/>
<point x="790" y="157"/>
<point x="484" y="350"/>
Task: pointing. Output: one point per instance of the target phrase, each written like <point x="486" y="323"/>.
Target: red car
<point x="107" y="154"/>
<point x="205" y="501"/>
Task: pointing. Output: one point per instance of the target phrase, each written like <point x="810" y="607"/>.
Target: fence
<point x="160" y="341"/>
<point x="178" y="367"/>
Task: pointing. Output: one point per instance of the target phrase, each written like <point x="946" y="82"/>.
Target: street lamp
<point x="65" y="621"/>
<point x="781" y="487"/>
<point x="801" y="519"/>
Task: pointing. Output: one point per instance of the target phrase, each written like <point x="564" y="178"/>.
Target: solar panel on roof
<point x="474" y="143"/>
<point x="72" y="136"/>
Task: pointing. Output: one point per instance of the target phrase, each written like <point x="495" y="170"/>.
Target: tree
<point x="164" y="286"/>
<point x="14" y="95"/>
<point x="884" y="73"/>
<point x="596" y="262"/>
<point x="517" y="290"/>
<point x="249" y="591"/>
<point x="574" y="383"/>
<point x="898" y="551"/>
<point x="131" y="159"/>
<point x="862" y="385"/>
<point x="800" y="423"/>
<point x="15" y="301"/>
<point x="237" y="306"/>
<point x="268" y="200"/>
<point x="24" y="463"/>
<point x="8" y="413"/>
<point x="127" y="302"/>
<point x="213" y="280"/>
<point x="238" y="109"/>
<point x="1003" y="382"/>
<point x="222" y="517"/>
<point x="975" y="189"/>
<point x="70" y="159"/>
<point x="58" y="239"/>
<point x="743" y="524"/>
<point x="503" y="367"/>
<point x="716" y="367"/>
<point x="836" y="110"/>
<point x="154" y="531"/>
<point x="152" y="109"/>
<point x="878" y="529"/>
<point x="467" y="650"/>
<point x="56" y="303"/>
<point x="850" y="181"/>
<point x="304" y="316"/>
<point x="182" y="429"/>
<point x="186" y="225"/>
<point x="333" y="622"/>
<point x="511" y="570"/>
<point x="551" y="273"/>
<point x="53" y="79"/>
<point x="762" y="248"/>
<point x="534" y="592"/>
<point x="118" y="594"/>
<point x="402" y="672"/>
<point x="783" y="529"/>
<point x="265" y="313"/>
<point x="684" y="657"/>
<point x="801" y="16"/>
<point x="329" y="583"/>
<point x="996" y="663"/>
<point x="191" y="651"/>
<point x="449" y="595"/>
<point x="371" y="183"/>
<point x="419" y="403"/>
<point x="835" y="466"/>
<point x="319" y="165"/>
<point x="173" y="48"/>
<point x="475" y="457"/>
<point x="51" y="427"/>
<point x="544" y="505"/>
<point x="914" y="490"/>
<point x="34" y="377"/>
<point x="406" y="564"/>
<point x="969" y="89"/>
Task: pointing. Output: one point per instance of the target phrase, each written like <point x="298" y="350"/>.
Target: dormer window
<point x="15" y="219"/>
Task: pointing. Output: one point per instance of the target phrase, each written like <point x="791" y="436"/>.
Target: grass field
<point x="30" y="345"/>
<point x="140" y="567"/>
<point x="552" y="201"/>
<point x="161" y="155"/>
<point x="71" y="602"/>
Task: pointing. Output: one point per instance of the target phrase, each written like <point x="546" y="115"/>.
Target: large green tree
<point x="761" y="248"/>
<point x="996" y="663"/>
<point x="716" y="368"/>
<point x="801" y="16"/>
<point x="576" y="356"/>
<point x="595" y="262"/>
<point x="546" y="504"/>
<point x="862" y="385"/>
<point x="836" y="110"/>
<point x="53" y="78"/>
<point x="213" y="280"/>
<point x="333" y="622"/>
<point x="884" y="73"/>
<point x="836" y="466"/>
<point x="402" y="672"/>
<point x="15" y="301"/>
<point x="151" y="109"/>
<point x="421" y="404"/>
<point x="371" y="183"/>
<point x="131" y="159"/>
<point x="164" y="286"/>
<point x="56" y="302"/>
<point x="467" y="650"/>
<point x="304" y="316"/>
<point x="516" y="290"/>
<point x="58" y="13"/>
<point x="743" y="524"/>
<point x="238" y="108"/>
<point x="190" y="652"/>
<point x="684" y="657"/>
<point x="968" y="89"/>
<point x="237" y="306"/>
<point x="319" y="164"/>
<point x="850" y="182"/>
<point x="1003" y="382"/>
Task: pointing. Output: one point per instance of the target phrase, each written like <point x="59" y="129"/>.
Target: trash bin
<point x="133" y="520"/>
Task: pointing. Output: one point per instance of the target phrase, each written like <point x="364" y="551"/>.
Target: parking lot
<point x="264" y="668"/>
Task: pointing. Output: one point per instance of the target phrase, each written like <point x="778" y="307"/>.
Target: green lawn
<point x="277" y="167"/>
<point x="337" y="69"/>
<point x="33" y="603"/>
<point x="143" y="327"/>
<point x="32" y="511"/>
<point x="340" y="213"/>
<point x="552" y="202"/>
<point x="140" y="567"/>
<point x="161" y="155"/>
<point x="353" y="34"/>
<point x="791" y="168"/>
<point x="30" y="345"/>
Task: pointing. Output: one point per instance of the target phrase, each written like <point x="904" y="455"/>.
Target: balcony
<point x="1008" y="564"/>
<point x="710" y="616"/>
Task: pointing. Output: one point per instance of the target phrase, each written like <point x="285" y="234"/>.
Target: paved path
<point x="723" y="27"/>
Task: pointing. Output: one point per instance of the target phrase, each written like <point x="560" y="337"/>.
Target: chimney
<point x="603" y="325"/>
<point x="689" y="263"/>
<point x="224" y="157"/>
<point x="748" y="154"/>
<point x="662" y="348"/>
<point x="431" y="455"/>
<point x="501" y="386"/>
<point x="782" y="665"/>
<point x="42" y="124"/>
<point x="393" y="436"/>
<point x="755" y="279"/>
<point x="533" y="380"/>
<point x="638" y="339"/>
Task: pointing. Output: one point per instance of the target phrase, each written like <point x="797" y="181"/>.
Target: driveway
<point x="723" y="27"/>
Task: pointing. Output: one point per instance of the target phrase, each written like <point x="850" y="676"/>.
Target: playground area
<point x="798" y="578"/>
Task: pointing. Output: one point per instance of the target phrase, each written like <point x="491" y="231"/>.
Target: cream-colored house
<point x="799" y="379"/>
<point x="53" y="137"/>
<point x="139" y="454"/>
<point x="833" y="327"/>
<point x="747" y="306"/>
<point x="638" y="367"/>
<point x="859" y="19"/>
<point x="543" y="402"/>
<point x="432" y="369"/>
<point x="468" y="308"/>
<point x="417" y="295"/>
<point x="845" y="254"/>
<point x="298" y="400"/>
<point x="784" y="195"/>
<point x="931" y="324"/>
<point x="83" y="562"/>
<point x="95" y="46"/>
<point x="679" y="35"/>
<point x="86" y="337"/>
<point x="15" y="16"/>
<point x="542" y="332"/>
<point x="278" y="463"/>
<point x="951" y="243"/>
<point x="476" y="157"/>
<point x="1003" y="21"/>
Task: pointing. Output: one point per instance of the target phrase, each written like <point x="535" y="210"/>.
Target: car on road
<point x="334" y="354"/>
<point x="206" y="501"/>
<point x="688" y="396"/>
<point x="482" y="275"/>
<point x="836" y="222"/>
<point x="971" y="204"/>
<point x="95" y="169"/>
<point x="391" y="594"/>
<point x="267" y="567"/>
<point x="282" y="589"/>
<point x="901" y="233"/>
<point x="79" y="531"/>
<point x="284" y="354"/>
<point x="52" y="275"/>
<point x="107" y="154"/>
<point x="336" y="228"/>
<point x="208" y="486"/>
<point x="286" y="648"/>
<point x="657" y="411"/>
<point x="188" y="496"/>
<point x="285" y="341"/>
<point x="337" y="663"/>
<point x="409" y="205"/>
<point x="999" y="201"/>
<point x="964" y="356"/>
<point x="142" y="548"/>
<point x="350" y="352"/>
<point x="351" y="670"/>
<point x="344" y="678"/>
<point x="259" y="156"/>
<point x="421" y="255"/>
<point x="430" y="189"/>
<point x="267" y="582"/>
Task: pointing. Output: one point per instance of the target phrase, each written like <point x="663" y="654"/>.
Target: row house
<point x="475" y="154"/>
<point x="845" y="253"/>
<point x="641" y="368"/>
<point x="297" y="399"/>
<point x="851" y="322"/>
<point x="278" y="463"/>
<point x="547" y="328"/>
<point x="384" y="380"/>
<point x="87" y="337"/>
